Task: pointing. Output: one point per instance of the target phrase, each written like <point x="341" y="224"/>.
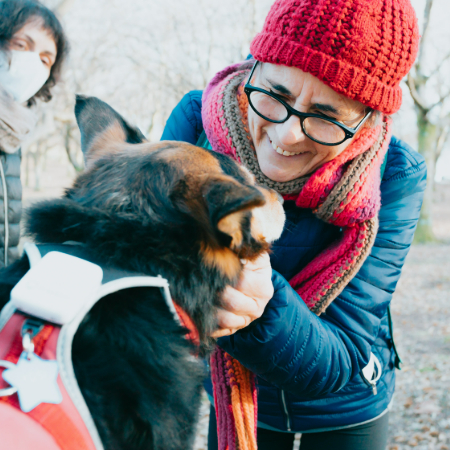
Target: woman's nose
<point x="290" y="132"/>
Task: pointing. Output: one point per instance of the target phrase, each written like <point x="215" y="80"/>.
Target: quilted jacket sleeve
<point x="311" y="356"/>
<point x="185" y="122"/>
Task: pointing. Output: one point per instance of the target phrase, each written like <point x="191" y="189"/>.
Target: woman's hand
<point x="246" y="303"/>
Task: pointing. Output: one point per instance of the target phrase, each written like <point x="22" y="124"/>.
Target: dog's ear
<point x="103" y="130"/>
<point x="228" y="202"/>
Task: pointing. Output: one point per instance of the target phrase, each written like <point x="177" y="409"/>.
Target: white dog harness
<point x="41" y="405"/>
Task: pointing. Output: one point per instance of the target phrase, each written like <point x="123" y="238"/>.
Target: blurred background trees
<point x="429" y="87"/>
<point x="142" y="56"/>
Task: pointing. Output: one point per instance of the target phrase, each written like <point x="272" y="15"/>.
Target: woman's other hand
<point x="247" y="302"/>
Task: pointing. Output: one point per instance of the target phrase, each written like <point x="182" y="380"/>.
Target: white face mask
<point x="23" y="75"/>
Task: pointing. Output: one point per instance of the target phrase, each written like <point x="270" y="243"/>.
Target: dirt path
<point x="420" y="417"/>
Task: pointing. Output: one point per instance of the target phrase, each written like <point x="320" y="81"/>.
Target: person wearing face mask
<point x="309" y="116"/>
<point x="32" y="50"/>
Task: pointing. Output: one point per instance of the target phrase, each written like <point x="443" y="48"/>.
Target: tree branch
<point x="415" y="95"/>
<point x="426" y="24"/>
<point x="441" y="141"/>
<point x="67" y="137"/>
<point x="426" y="17"/>
<point x="440" y="101"/>
<point x="439" y="66"/>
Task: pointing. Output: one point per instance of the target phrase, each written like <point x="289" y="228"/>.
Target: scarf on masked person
<point x="344" y="192"/>
<point x="16" y="122"/>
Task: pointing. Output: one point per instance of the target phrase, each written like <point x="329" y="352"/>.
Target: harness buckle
<point x="30" y="329"/>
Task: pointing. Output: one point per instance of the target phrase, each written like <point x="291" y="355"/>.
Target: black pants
<point x="371" y="436"/>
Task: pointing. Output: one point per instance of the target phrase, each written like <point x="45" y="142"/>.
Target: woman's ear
<point x="103" y="130"/>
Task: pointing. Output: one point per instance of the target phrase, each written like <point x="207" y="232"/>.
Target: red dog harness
<point x="62" y="420"/>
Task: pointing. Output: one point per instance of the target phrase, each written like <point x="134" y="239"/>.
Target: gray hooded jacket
<point x="16" y="121"/>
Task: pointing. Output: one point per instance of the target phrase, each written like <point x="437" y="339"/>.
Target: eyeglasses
<point x="318" y="128"/>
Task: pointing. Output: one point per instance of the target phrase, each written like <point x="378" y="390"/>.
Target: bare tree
<point x="142" y="58"/>
<point x="432" y="121"/>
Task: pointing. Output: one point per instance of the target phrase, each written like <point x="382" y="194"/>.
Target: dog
<point x="170" y="209"/>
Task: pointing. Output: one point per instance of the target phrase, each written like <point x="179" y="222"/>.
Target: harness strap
<point x="50" y="416"/>
<point x="70" y="422"/>
<point x="187" y="323"/>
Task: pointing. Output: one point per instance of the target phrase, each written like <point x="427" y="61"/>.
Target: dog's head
<point x="168" y="208"/>
<point x="205" y="195"/>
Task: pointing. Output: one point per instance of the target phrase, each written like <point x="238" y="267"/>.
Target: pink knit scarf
<point x="344" y="192"/>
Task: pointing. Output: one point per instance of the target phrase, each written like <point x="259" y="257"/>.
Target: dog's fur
<point x="171" y="209"/>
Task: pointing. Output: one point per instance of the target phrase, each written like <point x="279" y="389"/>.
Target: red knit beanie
<point x="360" y="48"/>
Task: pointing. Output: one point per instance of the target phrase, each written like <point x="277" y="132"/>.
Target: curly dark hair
<point x="14" y="15"/>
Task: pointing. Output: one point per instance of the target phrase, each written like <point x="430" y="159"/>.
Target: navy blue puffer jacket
<point x="309" y="368"/>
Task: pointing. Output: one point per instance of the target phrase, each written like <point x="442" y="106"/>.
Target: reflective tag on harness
<point x="35" y="380"/>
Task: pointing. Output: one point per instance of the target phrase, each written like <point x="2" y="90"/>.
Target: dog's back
<point x="132" y="364"/>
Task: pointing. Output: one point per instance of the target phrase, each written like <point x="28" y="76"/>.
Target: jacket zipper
<point x="398" y="361"/>
<point x="6" y="208"/>
<point x="288" y="420"/>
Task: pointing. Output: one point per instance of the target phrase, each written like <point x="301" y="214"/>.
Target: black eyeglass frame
<point x="349" y="132"/>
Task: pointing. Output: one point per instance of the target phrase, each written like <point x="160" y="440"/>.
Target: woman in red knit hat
<point x="309" y="116"/>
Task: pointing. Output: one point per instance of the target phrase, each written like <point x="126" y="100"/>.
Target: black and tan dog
<point x="172" y="209"/>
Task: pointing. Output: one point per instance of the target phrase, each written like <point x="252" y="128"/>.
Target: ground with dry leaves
<point x="420" y="416"/>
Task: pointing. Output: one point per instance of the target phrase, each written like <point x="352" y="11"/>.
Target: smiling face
<point x="284" y="152"/>
<point x="32" y="37"/>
